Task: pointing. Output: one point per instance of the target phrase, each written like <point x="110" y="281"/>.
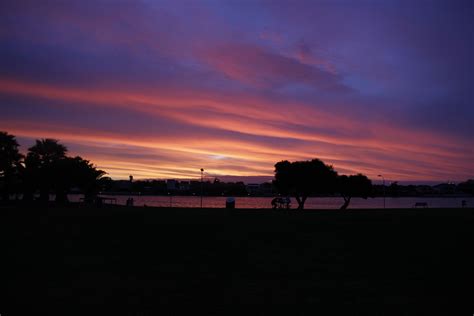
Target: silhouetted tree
<point x="393" y="189"/>
<point x="89" y="178"/>
<point x="10" y="164"/>
<point x="353" y="186"/>
<point x="467" y="186"/>
<point x="62" y="175"/>
<point x="71" y="172"/>
<point x="40" y="164"/>
<point x="304" y="178"/>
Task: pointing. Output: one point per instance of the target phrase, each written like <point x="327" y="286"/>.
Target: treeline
<point x="394" y="189"/>
<point x="268" y="189"/>
<point x="45" y="169"/>
<point x="302" y="179"/>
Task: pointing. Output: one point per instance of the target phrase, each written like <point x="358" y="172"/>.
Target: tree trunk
<point x="347" y="200"/>
<point x="301" y="201"/>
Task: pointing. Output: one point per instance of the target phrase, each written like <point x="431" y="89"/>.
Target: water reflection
<point x="312" y="203"/>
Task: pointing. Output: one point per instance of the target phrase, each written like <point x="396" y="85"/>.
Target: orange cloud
<point x="270" y="130"/>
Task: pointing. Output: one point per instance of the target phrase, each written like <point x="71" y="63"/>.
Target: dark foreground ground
<point x="147" y="261"/>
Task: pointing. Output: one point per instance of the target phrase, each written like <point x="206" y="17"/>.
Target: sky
<point x="161" y="89"/>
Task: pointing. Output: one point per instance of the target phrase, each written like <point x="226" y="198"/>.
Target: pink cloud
<point x="257" y="66"/>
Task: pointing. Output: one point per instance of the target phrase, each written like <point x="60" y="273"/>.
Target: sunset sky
<point x="160" y="89"/>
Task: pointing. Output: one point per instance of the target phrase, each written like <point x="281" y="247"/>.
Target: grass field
<point x="149" y="261"/>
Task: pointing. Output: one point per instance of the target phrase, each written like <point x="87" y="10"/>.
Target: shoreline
<point x="79" y="205"/>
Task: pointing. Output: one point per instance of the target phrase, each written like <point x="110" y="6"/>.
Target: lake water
<point x="311" y="203"/>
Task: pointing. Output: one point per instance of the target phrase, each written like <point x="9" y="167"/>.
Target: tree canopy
<point x="301" y="179"/>
<point x="467" y="186"/>
<point x="71" y="172"/>
<point x="353" y="186"/>
<point x="41" y="165"/>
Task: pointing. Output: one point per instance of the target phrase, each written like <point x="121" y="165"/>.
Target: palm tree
<point x="40" y="166"/>
<point x="86" y="176"/>
<point x="10" y="164"/>
<point x="46" y="151"/>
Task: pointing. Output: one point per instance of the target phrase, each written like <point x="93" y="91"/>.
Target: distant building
<point x="171" y="185"/>
<point x="123" y="185"/>
<point x="266" y="189"/>
<point x="253" y="188"/>
<point x="184" y="186"/>
<point x="259" y="189"/>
